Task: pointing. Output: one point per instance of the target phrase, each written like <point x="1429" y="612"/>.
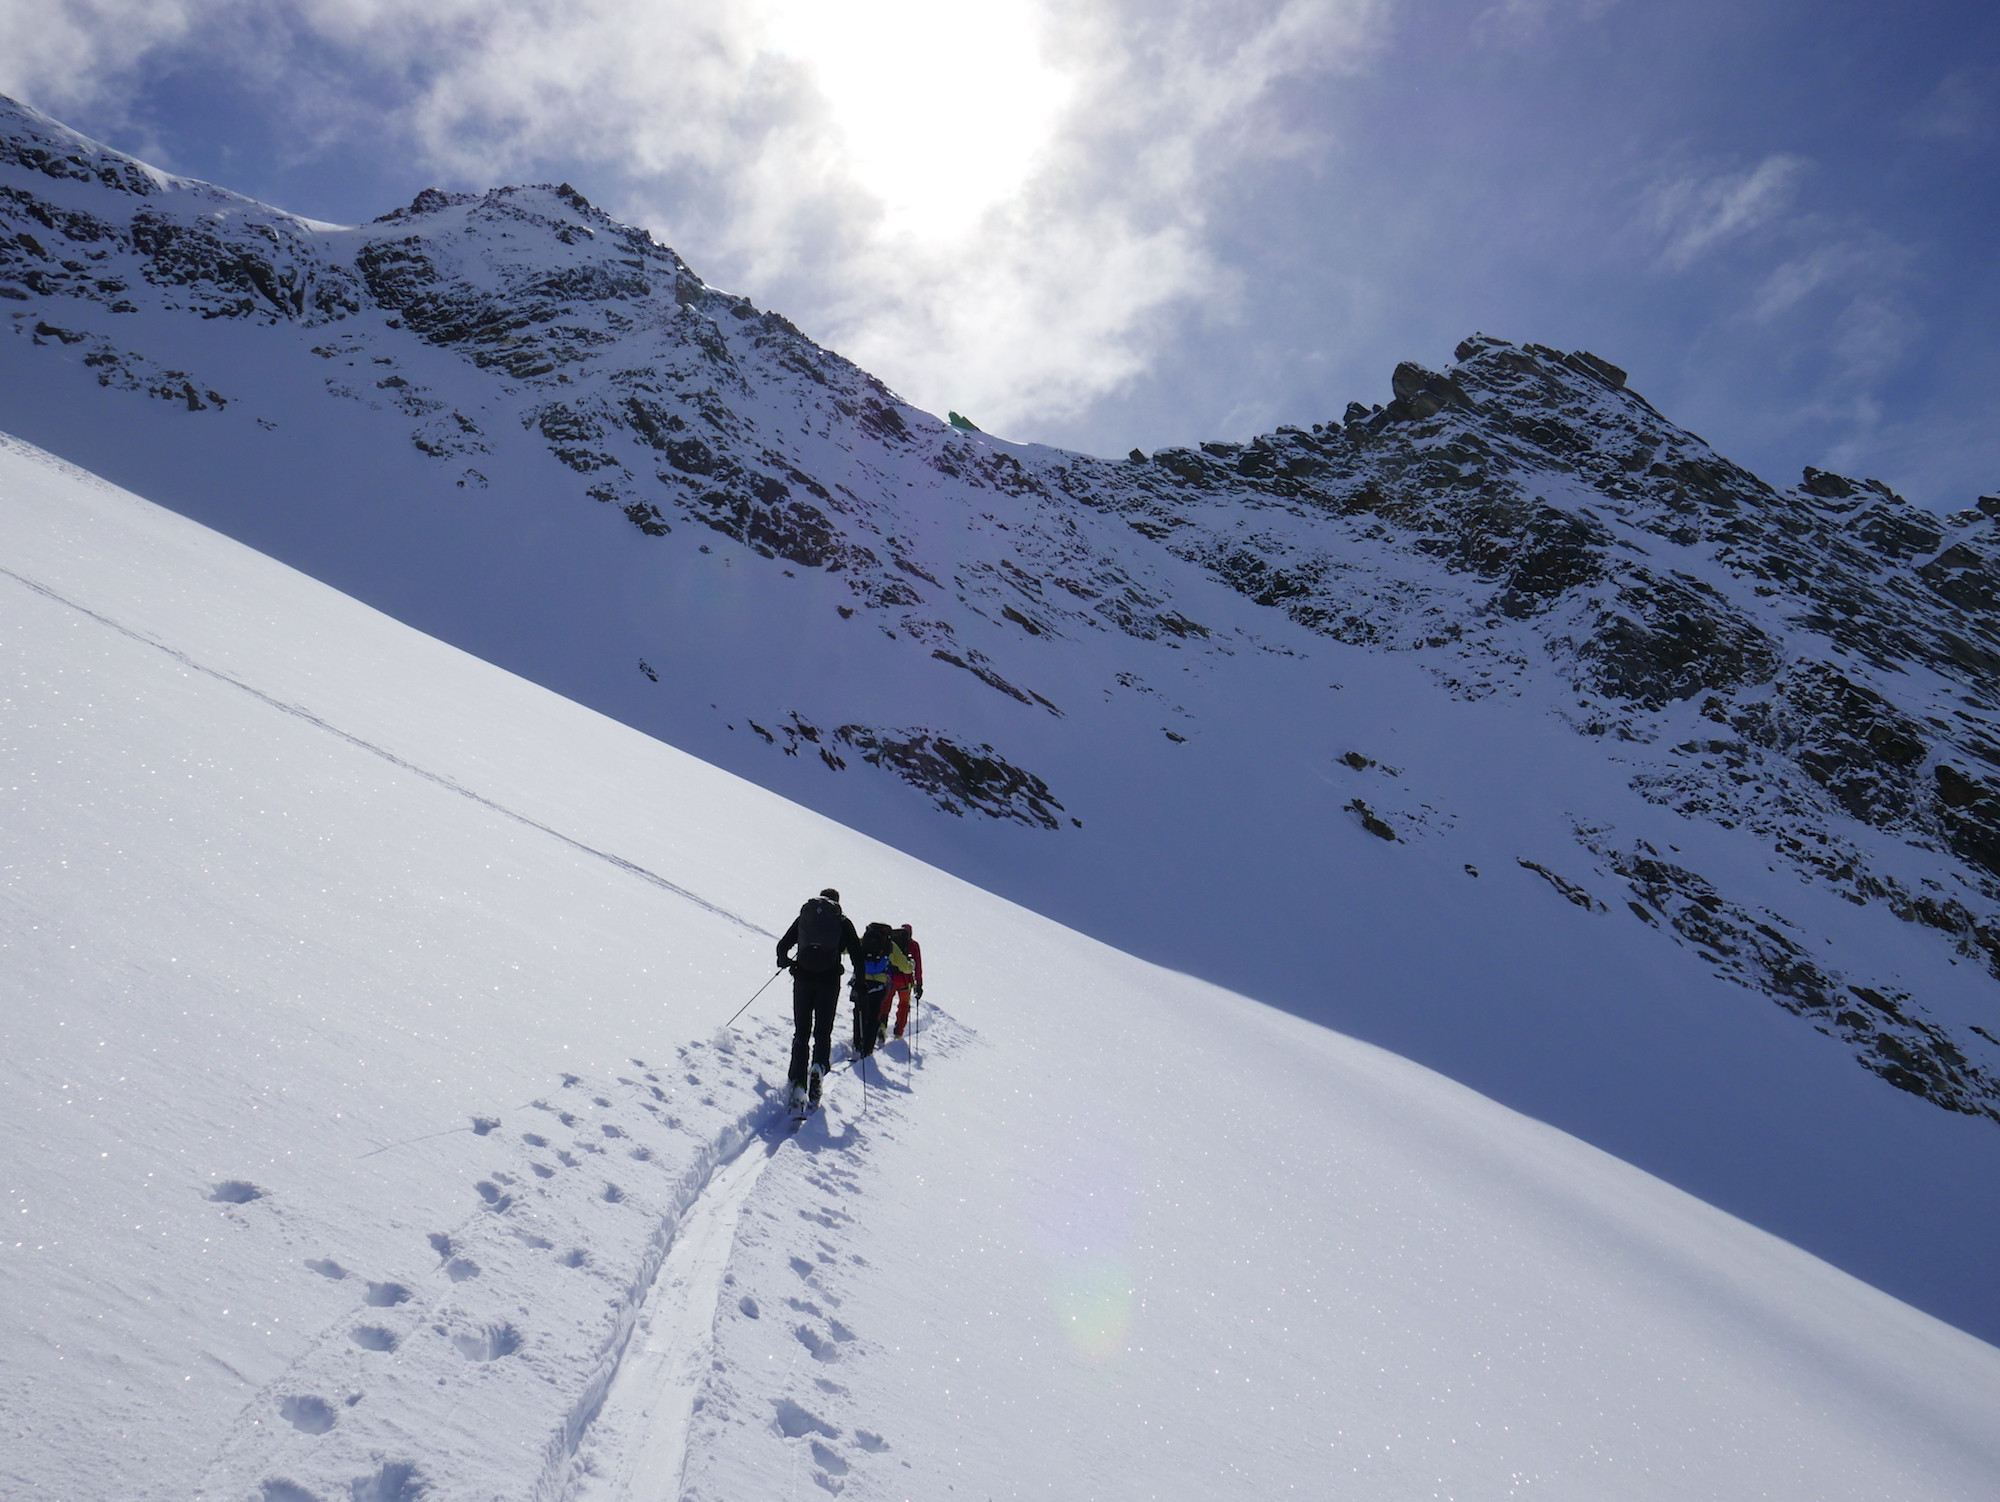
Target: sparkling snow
<point x="330" y="957"/>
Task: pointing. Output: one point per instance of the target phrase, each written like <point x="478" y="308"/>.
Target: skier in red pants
<point x="901" y="982"/>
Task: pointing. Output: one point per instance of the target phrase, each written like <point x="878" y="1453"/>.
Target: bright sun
<point x="944" y="109"/>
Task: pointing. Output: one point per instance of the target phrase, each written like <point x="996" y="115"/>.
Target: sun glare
<point x="943" y="109"/>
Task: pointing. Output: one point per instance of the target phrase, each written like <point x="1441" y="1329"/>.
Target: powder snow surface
<point x="373" y="1137"/>
<point x="478" y="452"/>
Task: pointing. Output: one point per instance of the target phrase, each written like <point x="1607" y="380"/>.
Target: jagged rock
<point x="959" y="778"/>
<point x="1909" y="1052"/>
<point x="1969" y="812"/>
<point x="1825" y="484"/>
<point x="429" y="201"/>
<point x="1604" y="370"/>
<point x="1673" y="638"/>
<point x="1853" y="742"/>
<point x="1892" y="528"/>
<point x="1520" y="521"/>
<point x="1570" y="890"/>
<point x="1422" y="393"/>
<point x="1371" y="821"/>
<point x="1966" y="576"/>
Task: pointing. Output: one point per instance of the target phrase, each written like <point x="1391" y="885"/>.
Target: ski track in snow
<point x="651" y="1399"/>
<point x="504" y="1292"/>
<point x="686" y="1384"/>
<point x="1159" y="1242"/>
<point x="652" y="1420"/>
<point x="770" y="1419"/>
<point x="298" y="712"/>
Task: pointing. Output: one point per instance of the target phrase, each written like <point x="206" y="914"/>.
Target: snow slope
<point x="1694" y="853"/>
<point x="374" y="1139"/>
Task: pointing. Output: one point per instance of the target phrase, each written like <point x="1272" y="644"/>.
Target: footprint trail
<point x="792" y="1396"/>
<point x="638" y="1444"/>
<point x="469" y="1354"/>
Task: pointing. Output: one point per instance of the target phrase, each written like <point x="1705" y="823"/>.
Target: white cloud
<point x="76" y="52"/>
<point x="998" y="207"/>
<point x="1854" y="262"/>
<point x="1850" y="291"/>
<point x="992" y="206"/>
<point x="1960" y="107"/>
<point x="1696" y="213"/>
<point x="1519" y="24"/>
<point x="1797" y="279"/>
<point x="1057" y="294"/>
<point x="1815" y="290"/>
<point x="1872" y="334"/>
<point x="938" y="112"/>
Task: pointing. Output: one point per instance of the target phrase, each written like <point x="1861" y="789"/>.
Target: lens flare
<point x="1083" y="1223"/>
<point x="1092" y="1300"/>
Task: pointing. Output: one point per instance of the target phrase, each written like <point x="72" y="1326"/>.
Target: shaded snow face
<point x="1343" y="715"/>
<point x="304" y="903"/>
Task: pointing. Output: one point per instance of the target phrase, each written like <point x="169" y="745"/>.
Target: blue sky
<point x="1117" y="223"/>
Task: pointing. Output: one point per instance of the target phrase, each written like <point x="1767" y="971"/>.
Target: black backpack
<point x="876" y="941"/>
<point x="820" y="926"/>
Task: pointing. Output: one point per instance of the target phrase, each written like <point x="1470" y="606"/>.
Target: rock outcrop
<point x="1818" y="665"/>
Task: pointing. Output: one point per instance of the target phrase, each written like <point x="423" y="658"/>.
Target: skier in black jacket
<point x="823" y="934"/>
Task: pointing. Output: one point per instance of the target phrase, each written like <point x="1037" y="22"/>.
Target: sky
<point x="1108" y="223"/>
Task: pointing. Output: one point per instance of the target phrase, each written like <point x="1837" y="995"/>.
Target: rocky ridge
<point x="1817" y="666"/>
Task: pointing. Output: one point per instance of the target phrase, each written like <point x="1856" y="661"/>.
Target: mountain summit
<point x="1501" y="722"/>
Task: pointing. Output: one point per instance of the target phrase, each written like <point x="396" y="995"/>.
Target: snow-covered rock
<point x="1505" y="723"/>
<point x="373" y="1138"/>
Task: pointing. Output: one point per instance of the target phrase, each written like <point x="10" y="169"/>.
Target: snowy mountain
<point x="1504" y="724"/>
<point x="375" y="1139"/>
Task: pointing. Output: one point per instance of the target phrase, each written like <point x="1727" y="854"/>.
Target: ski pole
<point x="754" y="995"/>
